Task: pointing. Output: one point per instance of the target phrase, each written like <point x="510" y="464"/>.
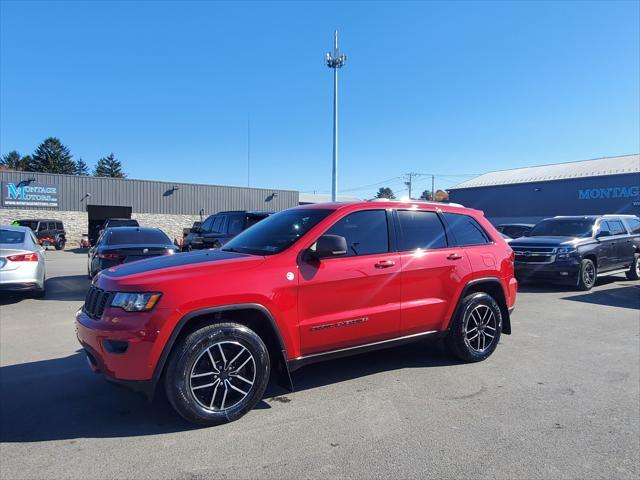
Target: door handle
<point x="454" y="256"/>
<point x="385" y="264"/>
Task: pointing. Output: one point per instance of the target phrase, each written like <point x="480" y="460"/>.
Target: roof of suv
<point x="38" y="220"/>
<point x="413" y="204"/>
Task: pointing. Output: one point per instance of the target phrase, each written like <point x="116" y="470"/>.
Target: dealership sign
<point x="29" y="194"/>
<point x="609" y="192"/>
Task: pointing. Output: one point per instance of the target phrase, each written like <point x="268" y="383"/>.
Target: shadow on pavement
<point x="62" y="399"/>
<point x="533" y="286"/>
<point x="626" y="296"/>
<point x="81" y="250"/>
<point x="67" y="288"/>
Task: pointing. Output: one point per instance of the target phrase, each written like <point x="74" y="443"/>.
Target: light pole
<point x="335" y="61"/>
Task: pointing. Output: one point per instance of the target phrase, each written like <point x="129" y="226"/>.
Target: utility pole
<point x="336" y="61"/>
<point x="433" y="183"/>
<point x="248" y="151"/>
<point x="410" y="181"/>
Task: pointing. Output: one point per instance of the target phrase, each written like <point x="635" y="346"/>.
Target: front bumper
<point x="120" y="345"/>
<point x="558" y="271"/>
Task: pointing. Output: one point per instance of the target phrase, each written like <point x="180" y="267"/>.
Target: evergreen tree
<point x="385" y="192"/>
<point x="109" y="166"/>
<point x="426" y="195"/>
<point x="14" y="161"/>
<point x="52" y="156"/>
<point x="81" y="168"/>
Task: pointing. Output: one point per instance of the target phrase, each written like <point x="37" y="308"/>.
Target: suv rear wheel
<point x="634" y="270"/>
<point x="475" y="331"/>
<point x="217" y="373"/>
<point x="587" y="275"/>
<point x="60" y="243"/>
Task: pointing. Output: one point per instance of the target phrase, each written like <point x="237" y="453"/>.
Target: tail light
<point x="25" y="257"/>
<point x="111" y="256"/>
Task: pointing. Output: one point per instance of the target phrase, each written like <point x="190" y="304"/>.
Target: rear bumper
<point x="25" y="277"/>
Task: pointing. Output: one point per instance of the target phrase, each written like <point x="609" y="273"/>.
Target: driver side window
<point x="366" y="232"/>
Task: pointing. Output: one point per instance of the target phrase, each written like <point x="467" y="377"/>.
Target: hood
<point x="545" y="241"/>
<point x="183" y="260"/>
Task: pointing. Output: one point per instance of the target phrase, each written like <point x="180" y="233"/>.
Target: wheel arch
<point x="252" y="315"/>
<point x="491" y="286"/>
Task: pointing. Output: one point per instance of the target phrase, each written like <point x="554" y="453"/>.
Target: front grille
<point x="95" y="302"/>
<point x="534" y="254"/>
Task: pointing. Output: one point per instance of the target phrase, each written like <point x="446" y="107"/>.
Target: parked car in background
<point x="306" y="284"/>
<point x="218" y="229"/>
<point x="48" y="232"/>
<point x="515" y="230"/>
<point x="119" y="245"/>
<point x="22" y="262"/>
<point x="506" y="238"/>
<point x="576" y="250"/>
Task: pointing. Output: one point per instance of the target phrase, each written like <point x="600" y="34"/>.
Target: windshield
<point x="563" y="227"/>
<point x="11" y="237"/>
<point x="277" y="232"/>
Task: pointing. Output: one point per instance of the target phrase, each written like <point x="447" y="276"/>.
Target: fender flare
<point x="505" y="311"/>
<point x="168" y="347"/>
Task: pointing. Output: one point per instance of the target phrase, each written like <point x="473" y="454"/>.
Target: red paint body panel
<point x="317" y="305"/>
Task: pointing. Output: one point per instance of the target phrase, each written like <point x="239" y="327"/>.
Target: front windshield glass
<point x="563" y="227"/>
<point x="277" y="232"/>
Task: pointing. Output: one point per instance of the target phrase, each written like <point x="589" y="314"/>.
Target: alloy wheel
<point x="589" y="274"/>
<point x="222" y="376"/>
<point x="480" y="328"/>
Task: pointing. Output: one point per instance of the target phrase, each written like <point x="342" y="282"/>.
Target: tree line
<point x="386" y="192"/>
<point x="52" y="156"/>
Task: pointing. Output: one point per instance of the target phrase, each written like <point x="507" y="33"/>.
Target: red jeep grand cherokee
<point x="306" y="284"/>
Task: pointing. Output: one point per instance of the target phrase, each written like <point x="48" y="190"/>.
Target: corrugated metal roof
<point x="557" y="171"/>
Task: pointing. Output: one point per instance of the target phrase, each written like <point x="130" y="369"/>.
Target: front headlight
<point x="135" y="302"/>
<point x="565" y="252"/>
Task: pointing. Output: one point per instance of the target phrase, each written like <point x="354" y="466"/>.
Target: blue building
<point x="527" y="195"/>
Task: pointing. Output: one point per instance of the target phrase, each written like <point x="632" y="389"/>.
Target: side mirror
<point x="329" y="246"/>
<point x="604" y="233"/>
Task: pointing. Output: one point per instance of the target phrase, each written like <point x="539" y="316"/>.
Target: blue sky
<point x="450" y="88"/>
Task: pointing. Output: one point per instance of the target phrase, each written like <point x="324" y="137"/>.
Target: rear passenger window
<point x="466" y="230"/>
<point x="59" y="226"/>
<point x="616" y="227"/>
<point x="366" y="232"/>
<point x="419" y="229"/>
<point x="52" y="226"/>
<point x="634" y="225"/>
<point x="236" y="224"/>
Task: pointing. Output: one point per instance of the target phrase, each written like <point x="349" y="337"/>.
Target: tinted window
<point x="236" y="224"/>
<point x="634" y="225"/>
<point x="206" y="226"/>
<point x="42" y="226"/>
<point x="277" y="232"/>
<point x="604" y="227"/>
<point x="52" y="225"/>
<point x="366" y="232"/>
<point x="59" y="226"/>
<point x="121" y="236"/>
<point x="466" y="230"/>
<point x="11" y="237"/>
<point x="563" y="227"/>
<point x="513" y="231"/>
<point x="122" y="223"/>
<point x="420" y="230"/>
<point x="616" y="227"/>
<point x="218" y="224"/>
<point x="32" y="224"/>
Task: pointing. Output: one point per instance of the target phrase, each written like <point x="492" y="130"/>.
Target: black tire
<point x="191" y="355"/>
<point x="587" y="275"/>
<point x="634" y="269"/>
<point x="480" y="312"/>
<point x="60" y="244"/>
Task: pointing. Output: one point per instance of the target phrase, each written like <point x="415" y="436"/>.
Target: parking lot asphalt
<point x="560" y="398"/>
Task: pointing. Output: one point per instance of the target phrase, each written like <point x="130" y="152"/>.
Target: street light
<point x="335" y="61"/>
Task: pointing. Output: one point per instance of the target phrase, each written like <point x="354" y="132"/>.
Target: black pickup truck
<point x="576" y="250"/>
<point x="218" y="229"/>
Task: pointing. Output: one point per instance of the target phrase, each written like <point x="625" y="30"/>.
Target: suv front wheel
<point x="587" y="275"/>
<point x="475" y="331"/>
<point x="217" y="374"/>
<point x="634" y="270"/>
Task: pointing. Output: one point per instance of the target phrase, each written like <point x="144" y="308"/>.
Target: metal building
<point x="83" y="203"/>
<point x="599" y="186"/>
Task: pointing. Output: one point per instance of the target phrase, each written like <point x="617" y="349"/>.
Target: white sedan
<point x="22" y="266"/>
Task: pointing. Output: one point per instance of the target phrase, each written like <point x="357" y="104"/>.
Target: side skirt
<point x="299" y="362"/>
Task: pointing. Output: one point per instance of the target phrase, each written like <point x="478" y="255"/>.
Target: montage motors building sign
<point x="29" y="194"/>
